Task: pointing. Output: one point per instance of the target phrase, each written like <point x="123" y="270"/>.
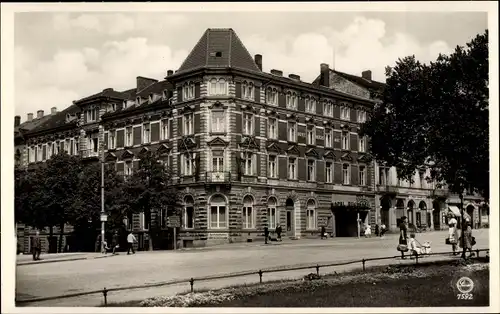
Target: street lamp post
<point x="103" y="218"/>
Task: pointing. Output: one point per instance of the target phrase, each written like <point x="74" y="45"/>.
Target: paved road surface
<point x="43" y="280"/>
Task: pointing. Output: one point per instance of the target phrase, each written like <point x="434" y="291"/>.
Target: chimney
<point x="30" y="117"/>
<point x="258" y="61"/>
<point x="367" y="75"/>
<point x="294" y="77"/>
<point x="53" y="110"/>
<point x="17" y="120"/>
<point x="170" y="72"/>
<point x="107" y="90"/>
<point x="143" y="82"/>
<point x="277" y="72"/>
<point x="39" y="114"/>
<point x="325" y="75"/>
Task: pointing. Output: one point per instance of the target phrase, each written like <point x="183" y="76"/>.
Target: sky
<point x="61" y="57"/>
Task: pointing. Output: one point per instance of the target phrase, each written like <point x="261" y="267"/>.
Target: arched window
<point x="188" y="222"/>
<point x="272" y="96"/>
<point x="217" y="87"/>
<point x="218" y="212"/>
<point x="248" y="213"/>
<point x="272" y="214"/>
<point x="311" y="215"/>
<point x="222" y="87"/>
<point x="188" y="91"/>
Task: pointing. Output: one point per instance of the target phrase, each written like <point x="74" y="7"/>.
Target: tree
<point x="436" y="116"/>
<point x="149" y="189"/>
<point x="27" y="198"/>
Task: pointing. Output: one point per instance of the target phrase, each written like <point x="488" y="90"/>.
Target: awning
<point x="455" y="211"/>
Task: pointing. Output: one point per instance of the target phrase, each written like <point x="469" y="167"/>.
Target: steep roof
<point x="108" y="92"/>
<point x="219" y="47"/>
<point x="57" y="120"/>
<point x="369" y="84"/>
<point x="27" y="126"/>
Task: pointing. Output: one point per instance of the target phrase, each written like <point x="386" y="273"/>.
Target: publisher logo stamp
<point x="465" y="285"/>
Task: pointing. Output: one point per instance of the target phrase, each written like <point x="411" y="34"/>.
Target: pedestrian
<point x="383" y="230"/>
<point x="468" y="241"/>
<point x="278" y="232"/>
<point x="115" y="242"/>
<point x="402" y="235"/>
<point x="368" y="231"/>
<point x="266" y="233"/>
<point x="323" y="232"/>
<point x="131" y="240"/>
<point x="377" y="230"/>
<point x="452" y="232"/>
<point x="37" y="246"/>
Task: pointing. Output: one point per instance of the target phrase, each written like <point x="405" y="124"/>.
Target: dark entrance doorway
<point x="290" y="210"/>
<point x="400" y="211"/>
<point x="346" y="224"/>
<point x="384" y="211"/>
<point x="436" y="215"/>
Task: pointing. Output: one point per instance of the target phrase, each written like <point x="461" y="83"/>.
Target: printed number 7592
<point x="464" y="296"/>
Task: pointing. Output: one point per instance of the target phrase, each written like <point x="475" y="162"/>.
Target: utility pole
<point x="103" y="214"/>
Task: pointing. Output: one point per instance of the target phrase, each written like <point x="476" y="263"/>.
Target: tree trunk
<point x="150" y="245"/>
<point x="51" y="234"/>
<point x="61" y="233"/>
<point x="462" y="224"/>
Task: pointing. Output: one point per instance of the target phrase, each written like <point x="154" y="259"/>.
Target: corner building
<point x="248" y="149"/>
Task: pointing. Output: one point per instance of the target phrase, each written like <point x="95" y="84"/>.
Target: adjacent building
<point x="248" y="149"/>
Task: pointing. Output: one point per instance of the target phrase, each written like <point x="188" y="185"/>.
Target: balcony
<point x="218" y="177"/>
<point x="387" y="189"/>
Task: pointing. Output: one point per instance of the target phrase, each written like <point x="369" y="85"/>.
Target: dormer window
<point x="138" y="101"/>
<point x="188" y="91"/>
<point x="218" y="87"/>
<point x="124" y="104"/>
<point x="92" y="114"/>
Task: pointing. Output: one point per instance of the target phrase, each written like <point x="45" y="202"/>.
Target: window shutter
<point x="257" y="126"/>
<point x="337" y="173"/>
<point x="336" y="112"/>
<point x="320" y="137"/>
<point x="301" y="130"/>
<point x="238" y="123"/>
<point x="197" y="90"/>
<point x="238" y="90"/>
<point x="257" y="94"/>
<point x="319" y="108"/>
<point x="179" y="165"/>
<point x="368" y="171"/>
<point x="354" y="175"/>
<point x="179" y="127"/>
<point x="301" y="171"/>
<point x="320" y="171"/>
<point x="120" y="167"/>
<point x="44" y="152"/>
<point x="179" y="94"/>
<point x="137" y="135"/>
<point x="281" y="100"/>
<point x="353" y="116"/>
<point x="354" y="142"/>
<point x="282" y="131"/>
<point x="197" y="123"/>
<point x="256" y="164"/>
<point x="302" y="104"/>
<point x="337" y="136"/>
<point x="283" y="168"/>
<point x="120" y="138"/>
<point x="106" y="140"/>
<point x="155" y="132"/>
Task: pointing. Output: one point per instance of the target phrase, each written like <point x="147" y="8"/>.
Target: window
<point x="188" y="213"/>
<point x="188" y="91"/>
<point x="218" y="214"/>
<point x="328" y="138"/>
<point x="361" y="116"/>
<point x="39" y="153"/>
<point x="273" y="128"/>
<point x="292" y="168"/>
<point x="218" y="87"/>
<point x="76" y="147"/>
<point x="248" y="90"/>
<point x="112" y="140"/>
<point x="311" y="138"/>
<point x="164" y="95"/>
<point x="247" y="123"/>
<point x="271" y="213"/>
<point x="187" y="165"/>
<point x="345" y="140"/>
<point x="138" y="100"/>
<point x="362" y="144"/>
<point x="273" y="173"/>
<point x="31" y="154"/>
<point x="362" y="175"/>
<point x="95" y="145"/>
<point x="165" y="129"/>
<point x="310" y="105"/>
<point x="345" y="113"/>
<point x="248" y="163"/>
<point x="128" y="168"/>
<point x="291" y="100"/>
<point x="66" y="146"/>
<point x="248" y="215"/>
<point x="272" y="96"/>
<point x="311" y="170"/>
<point x="329" y="172"/>
<point x="49" y="150"/>
<point x="218" y="161"/>
<point x="218" y="122"/>
<point x="382" y="176"/>
<point x="292" y="131"/>
<point x="128" y="136"/>
<point x="146" y="131"/>
<point x="188" y="124"/>
<point x="346" y="174"/>
<point x="328" y="109"/>
<point x="311" y="215"/>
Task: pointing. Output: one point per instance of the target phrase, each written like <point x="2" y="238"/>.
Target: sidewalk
<point x="22" y="260"/>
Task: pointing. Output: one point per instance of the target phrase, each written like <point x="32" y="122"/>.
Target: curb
<point x="61" y="260"/>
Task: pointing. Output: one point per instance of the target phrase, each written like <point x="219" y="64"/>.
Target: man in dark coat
<point x="115" y="241"/>
<point x="323" y="232"/>
<point x="278" y="232"/>
<point x="266" y="233"/>
<point x="37" y="246"/>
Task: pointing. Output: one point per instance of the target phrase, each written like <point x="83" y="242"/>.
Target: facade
<point x="248" y="149"/>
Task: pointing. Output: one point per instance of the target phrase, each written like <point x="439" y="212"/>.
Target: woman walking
<point x="402" y="235"/>
<point x="452" y="232"/>
<point x="468" y="242"/>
